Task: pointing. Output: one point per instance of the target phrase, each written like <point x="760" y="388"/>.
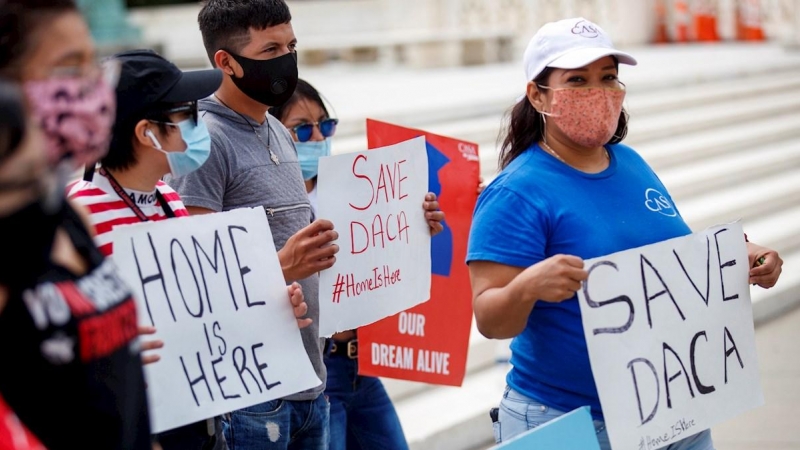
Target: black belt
<point x="348" y="349"/>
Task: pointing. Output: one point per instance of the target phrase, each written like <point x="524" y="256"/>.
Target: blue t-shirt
<point x="539" y="207"/>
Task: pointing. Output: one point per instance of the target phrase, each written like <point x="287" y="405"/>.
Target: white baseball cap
<point x="569" y="44"/>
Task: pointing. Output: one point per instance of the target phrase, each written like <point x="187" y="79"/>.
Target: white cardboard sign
<point x="670" y="333"/>
<point x="213" y="288"/>
<point x="374" y="200"/>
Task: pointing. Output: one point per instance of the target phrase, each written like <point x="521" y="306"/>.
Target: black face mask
<point x="270" y="82"/>
<point x="35" y="225"/>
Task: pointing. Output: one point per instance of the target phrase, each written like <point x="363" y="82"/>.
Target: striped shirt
<point x="107" y="210"/>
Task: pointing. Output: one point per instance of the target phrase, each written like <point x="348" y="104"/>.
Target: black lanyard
<point x="130" y="203"/>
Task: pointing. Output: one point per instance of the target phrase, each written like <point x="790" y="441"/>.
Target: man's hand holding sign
<point x="670" y="334"/>
<point x="213" y="289"/>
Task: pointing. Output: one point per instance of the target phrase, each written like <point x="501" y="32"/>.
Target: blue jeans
<point x="519" y="414"/>
<point x="362" y="415"/>
<point x="280" y="425"/>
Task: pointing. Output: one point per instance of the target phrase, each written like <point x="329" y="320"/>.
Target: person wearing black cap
<point x="156" y="132"/>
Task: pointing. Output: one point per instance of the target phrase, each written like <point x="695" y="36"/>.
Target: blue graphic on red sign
<point x="442" y="243"/>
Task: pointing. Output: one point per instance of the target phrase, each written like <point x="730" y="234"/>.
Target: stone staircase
<point x="721" y="130"/>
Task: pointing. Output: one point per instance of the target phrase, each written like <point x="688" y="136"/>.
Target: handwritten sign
<point x="669" y="328"/>
<point x="213" y="288"/>
<point x="435" y="334"/>
<point x="572" y="431"/>
<point x="383" y="267"/>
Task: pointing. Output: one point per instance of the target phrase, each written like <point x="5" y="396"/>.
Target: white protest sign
<point x="374" y="200"/>
<point x="670" y="333"/>
<point x="213" y="288"/>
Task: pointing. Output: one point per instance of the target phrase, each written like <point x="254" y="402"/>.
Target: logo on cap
<point x="585" y="29"/>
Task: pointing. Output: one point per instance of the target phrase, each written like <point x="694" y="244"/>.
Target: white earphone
<point x="153" y="139"/>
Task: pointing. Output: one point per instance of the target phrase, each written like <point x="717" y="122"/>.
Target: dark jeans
<point x="280" y="425"/>
<point x="194" y="437"/>
<point x="362" y="415"/>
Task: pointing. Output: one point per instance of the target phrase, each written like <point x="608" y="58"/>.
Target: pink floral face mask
<point x="587" y="116"/>
<point x="76" y="115"/>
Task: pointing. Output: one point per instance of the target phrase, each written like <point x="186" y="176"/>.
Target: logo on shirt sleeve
<point x="657" y="202"/>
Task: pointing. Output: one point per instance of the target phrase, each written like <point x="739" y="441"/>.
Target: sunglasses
<point x="304" y="131"/>
<point x="189" y="108"/>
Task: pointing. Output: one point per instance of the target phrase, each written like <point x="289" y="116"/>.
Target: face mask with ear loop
<point x="198" y="147"/>
<point x="587" y="116"/>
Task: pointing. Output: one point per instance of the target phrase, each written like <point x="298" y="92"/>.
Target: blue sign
<point x="573" y="431"/>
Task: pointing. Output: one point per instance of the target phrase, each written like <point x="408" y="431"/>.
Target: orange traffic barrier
<point x="705" y="21"/>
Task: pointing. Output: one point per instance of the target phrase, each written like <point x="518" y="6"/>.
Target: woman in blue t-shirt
<point x="568" y="191"/>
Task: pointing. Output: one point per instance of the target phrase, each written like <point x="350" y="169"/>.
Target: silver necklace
<point x="547" y="147"/>
<point x="272" y="156"/>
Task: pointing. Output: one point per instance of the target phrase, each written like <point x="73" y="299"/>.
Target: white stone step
<point x="780" y="230"/>
<point x="716" y="114"/>
<point x="726" y="169"/>
<point x="755" y="135"/>
<point x="711" y="91"/>
<point x="745" y="201"/>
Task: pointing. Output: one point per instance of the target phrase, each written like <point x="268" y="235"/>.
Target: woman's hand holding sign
<point x="765" y="265"/>
<point x="504" y="296"/>
<point x="432" y="213"/>
<point x="309" y="251"/>
<point x="553" y="280"/>
<point x="150" y="345"/>
<point x="299" y="305"/>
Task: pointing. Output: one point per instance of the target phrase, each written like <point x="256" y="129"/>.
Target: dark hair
<point x="120" y="155"/>
<point x="225" y="24"/>
<point x="526" y="125"/>
<point x="303" y="91"/>
<point x="19" y="20"/>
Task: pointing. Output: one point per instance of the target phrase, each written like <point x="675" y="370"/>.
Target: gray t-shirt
<point x="240" y="174"/>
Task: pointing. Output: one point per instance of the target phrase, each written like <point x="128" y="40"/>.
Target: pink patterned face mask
<point x="76" y="115"/>
<point x="587" y="116"/>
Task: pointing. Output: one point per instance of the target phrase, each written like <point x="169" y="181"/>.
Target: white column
<point x="630" y="22"/>
<point x="726" y="19"/>
<point x="792" y="39"/>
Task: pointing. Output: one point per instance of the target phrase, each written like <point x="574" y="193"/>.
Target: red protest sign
<point x="429" y="342"/>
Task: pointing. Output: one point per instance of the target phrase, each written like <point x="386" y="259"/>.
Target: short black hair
<point x="225" y="24"/>
<point x="120" y="154"/>
<point x="19" y="20"/>
<point x="303" y="91"/>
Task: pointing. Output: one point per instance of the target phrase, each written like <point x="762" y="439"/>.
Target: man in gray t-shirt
<point x="253" y="163"/>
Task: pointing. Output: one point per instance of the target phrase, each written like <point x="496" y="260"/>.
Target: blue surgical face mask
<point x="198" y="147"/>
<point x="309" y="153"/>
